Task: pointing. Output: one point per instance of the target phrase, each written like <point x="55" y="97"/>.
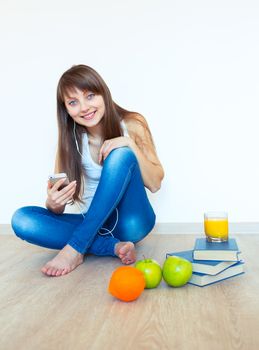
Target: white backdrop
<point x="190" y="67"/>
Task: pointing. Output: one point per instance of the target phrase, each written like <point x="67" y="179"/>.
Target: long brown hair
<point x="83" y="77"/>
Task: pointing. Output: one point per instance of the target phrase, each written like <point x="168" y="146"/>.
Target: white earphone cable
<point x="109" y="232"/>
<point x="77" y="147"/>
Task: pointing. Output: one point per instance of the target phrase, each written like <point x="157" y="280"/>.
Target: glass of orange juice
<point x="216" y="226"/>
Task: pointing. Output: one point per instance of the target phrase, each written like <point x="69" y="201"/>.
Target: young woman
<point x="109" y="157"/>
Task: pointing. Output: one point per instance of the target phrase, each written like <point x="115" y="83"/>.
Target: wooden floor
<point x="76" y="311"/>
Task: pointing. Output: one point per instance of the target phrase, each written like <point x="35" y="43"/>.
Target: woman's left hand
<point x="109" y="145"/>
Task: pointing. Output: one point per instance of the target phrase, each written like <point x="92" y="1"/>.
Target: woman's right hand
<point x="57" y="199"/>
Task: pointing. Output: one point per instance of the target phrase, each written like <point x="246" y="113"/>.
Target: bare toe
<point x="64" y="272"/>
<point x="43" y="270"/>
<point x="54" y="271"/>
<point x="49" y="271"/>
<point x="58" y="272"/>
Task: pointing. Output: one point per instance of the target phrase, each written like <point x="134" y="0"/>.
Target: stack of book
<point x="213" y="262"/>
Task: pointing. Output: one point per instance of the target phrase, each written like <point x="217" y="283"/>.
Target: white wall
<point x="191" y="67"/>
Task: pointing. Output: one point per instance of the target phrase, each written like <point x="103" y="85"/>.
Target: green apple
<point x="177" y="271"/>
<point x="152" y="272"/>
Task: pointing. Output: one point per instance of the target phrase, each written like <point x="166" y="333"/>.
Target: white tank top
<point x="92" y="170"/>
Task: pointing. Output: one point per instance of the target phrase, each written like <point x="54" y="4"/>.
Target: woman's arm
<point x="142" y="145"/>
<point x="140" y="141"/>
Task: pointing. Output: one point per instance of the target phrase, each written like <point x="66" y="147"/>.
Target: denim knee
<point x="22" y="222"/>
<point x="119" y="156"/>
<point x="135" y="228"/>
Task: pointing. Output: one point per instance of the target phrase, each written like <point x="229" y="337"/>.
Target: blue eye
<point x="90" y="96"/>
<point x="72" y="103"/>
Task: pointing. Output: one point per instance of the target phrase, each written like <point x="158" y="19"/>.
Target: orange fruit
<point x="126" y="283"/>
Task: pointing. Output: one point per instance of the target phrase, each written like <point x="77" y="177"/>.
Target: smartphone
<point x="56" y="177"/>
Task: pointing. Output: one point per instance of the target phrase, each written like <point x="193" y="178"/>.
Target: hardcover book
<point x="201" y="279"/>
<point x="224" y="251"/>
<point x="210" y="267"/>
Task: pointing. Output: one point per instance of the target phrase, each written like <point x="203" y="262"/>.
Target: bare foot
<point x="126" y="252"/>
<point x="66" y="261"/>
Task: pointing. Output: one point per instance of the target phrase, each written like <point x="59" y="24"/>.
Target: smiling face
<point x="85" y="107"/>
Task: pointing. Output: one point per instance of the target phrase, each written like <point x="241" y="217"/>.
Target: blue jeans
<point x="120" y="191"/>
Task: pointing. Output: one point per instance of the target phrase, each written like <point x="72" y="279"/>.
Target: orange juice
<point x="216" y="228"/>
